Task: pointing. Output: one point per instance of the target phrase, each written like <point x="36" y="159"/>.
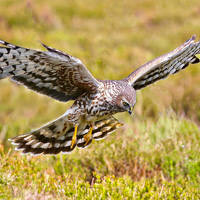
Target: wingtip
<point x="186" y="43"/>
<point x="192" y="39"/>
<point x="50" y="49"/>
<point x="45" y="46"/>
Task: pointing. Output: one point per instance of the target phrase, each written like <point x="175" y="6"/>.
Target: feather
<point x="52" y="73"/>
<point x="56" y="137"/>
<point x="161" y="67"/>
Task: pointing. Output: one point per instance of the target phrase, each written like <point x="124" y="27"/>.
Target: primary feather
<point x="163" y="66"/>
<point x="52" y="73"/>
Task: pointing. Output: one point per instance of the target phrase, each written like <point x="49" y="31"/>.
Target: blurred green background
<point x="157" y="153"/>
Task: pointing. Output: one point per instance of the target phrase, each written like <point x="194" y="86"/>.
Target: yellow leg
<point x="74" y="137"/>
<point x="87" y="136"/>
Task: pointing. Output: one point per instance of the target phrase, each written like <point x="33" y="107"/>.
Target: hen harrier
<point x="64" y="77"/>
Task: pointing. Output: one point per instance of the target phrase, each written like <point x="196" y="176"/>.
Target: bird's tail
<point x="56" y="136"/>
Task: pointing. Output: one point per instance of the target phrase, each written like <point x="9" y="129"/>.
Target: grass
<point x="157" y="154"/>
<point x="159" y="160"/>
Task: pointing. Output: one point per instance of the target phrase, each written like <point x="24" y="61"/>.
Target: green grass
<point x="156" y="155"/>
<point x="158" y="160"/>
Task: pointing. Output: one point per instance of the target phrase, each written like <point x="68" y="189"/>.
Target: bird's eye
<point x="125" y="104"/>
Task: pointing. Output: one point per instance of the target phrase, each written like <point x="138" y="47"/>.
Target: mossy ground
<point x="156" y="155"/>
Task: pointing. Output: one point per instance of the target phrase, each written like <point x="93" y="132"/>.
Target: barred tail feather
<point x="56" y="137"/>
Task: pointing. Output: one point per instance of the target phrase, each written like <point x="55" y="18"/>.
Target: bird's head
<point x="126" y="100"/>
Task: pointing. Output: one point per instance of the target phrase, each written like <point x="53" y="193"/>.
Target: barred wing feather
<point x="52" y="73"/>
<point x="169" y="63"/>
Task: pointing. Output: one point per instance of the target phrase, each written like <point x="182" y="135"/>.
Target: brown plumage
<point x="64" y="77"/>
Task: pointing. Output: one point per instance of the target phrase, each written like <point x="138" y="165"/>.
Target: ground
<point x="156" y="155"/>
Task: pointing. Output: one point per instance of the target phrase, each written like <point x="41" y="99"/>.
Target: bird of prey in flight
<point x="64" y="77"/>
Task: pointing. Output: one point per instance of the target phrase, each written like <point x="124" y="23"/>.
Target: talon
<point x="74" y="139"/>
<point x="87" y="136"/>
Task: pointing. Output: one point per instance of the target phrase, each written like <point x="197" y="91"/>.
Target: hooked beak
<point x="130" y="110"/>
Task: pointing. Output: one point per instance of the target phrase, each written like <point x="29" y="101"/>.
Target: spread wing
<point x="169" y="63"/>
<point x="52" y="73"/>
